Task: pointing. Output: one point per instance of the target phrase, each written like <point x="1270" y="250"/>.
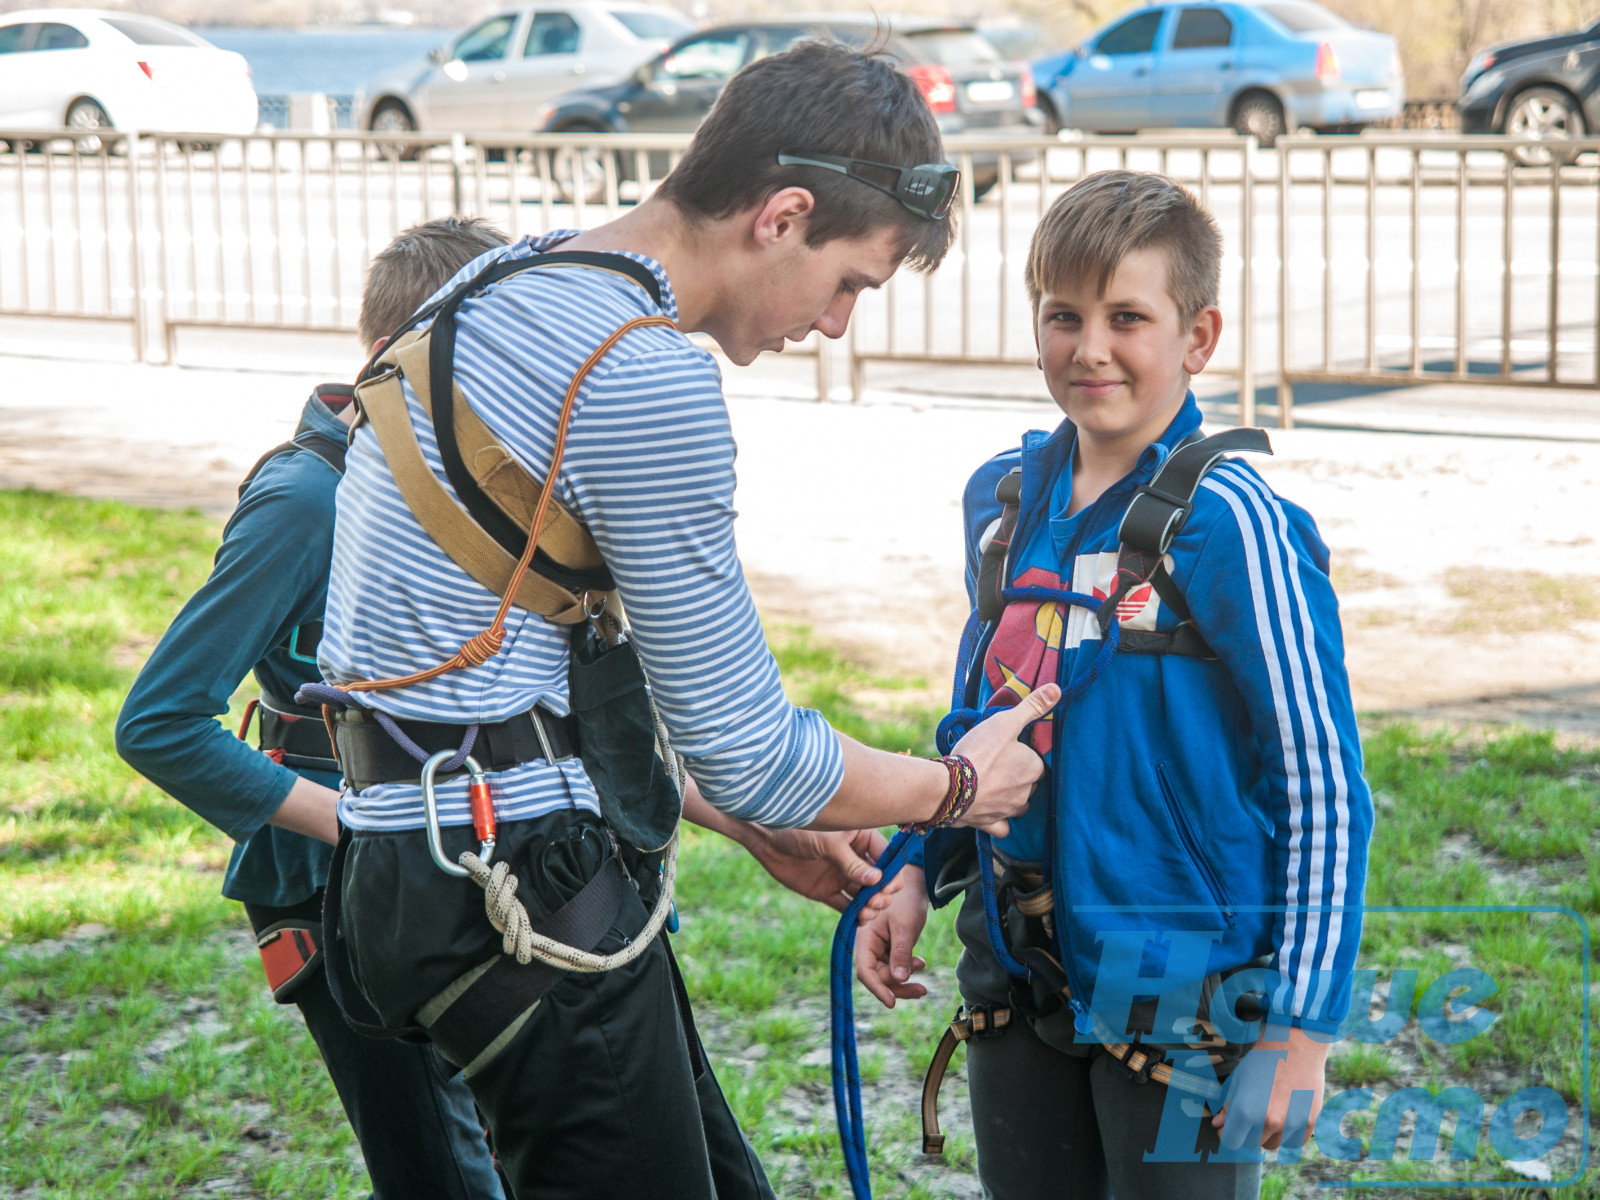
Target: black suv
<point x="966" y="82"/>
<point x="1545" y="88"/>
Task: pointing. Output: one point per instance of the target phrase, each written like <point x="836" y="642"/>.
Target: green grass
<point x="141" y="1056"/>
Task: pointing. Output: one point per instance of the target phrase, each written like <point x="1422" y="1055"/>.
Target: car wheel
<point x="1550" y="115"/>
<point x="1259" y="114"/>
<point x="393" y="117"/>
<point x="84" y="114"/>
<point x="1047" y="109"/>
<point x="579" y="169"/>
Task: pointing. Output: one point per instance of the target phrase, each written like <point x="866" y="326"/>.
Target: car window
<point x="148" y="33"/>
<point x="1199" y="28"/>
<point x="716" y="57"/>
<point x="1300" y="17"/>
<point x="488" y="41"/>
<point x="954" y="47"/>
<point x="14" y="37"/>
<point x="1134" y="36"/>
<point x="59" y="37"/>
<point x="651" y="26"/>
<point x="551" y="33"/>
<point x="774" y="41"/>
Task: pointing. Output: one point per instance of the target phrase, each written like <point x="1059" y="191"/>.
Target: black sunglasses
<point x="928" y="190"/>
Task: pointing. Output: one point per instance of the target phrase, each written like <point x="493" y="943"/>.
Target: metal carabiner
<point x="478" y="796"/>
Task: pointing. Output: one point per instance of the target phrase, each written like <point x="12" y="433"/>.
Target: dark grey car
<point x="966" y="82"/>
<point x="1546" y="88"/>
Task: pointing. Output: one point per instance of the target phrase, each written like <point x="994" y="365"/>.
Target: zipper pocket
<point x="1191" y="843"/>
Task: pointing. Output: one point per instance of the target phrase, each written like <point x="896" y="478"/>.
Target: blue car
<point x="1262" y="68"/>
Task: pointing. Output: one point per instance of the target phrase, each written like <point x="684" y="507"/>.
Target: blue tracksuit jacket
<point x="1221" y="795"/>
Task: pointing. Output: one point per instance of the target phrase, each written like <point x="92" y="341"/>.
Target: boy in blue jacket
<point x="1198" y="845"/>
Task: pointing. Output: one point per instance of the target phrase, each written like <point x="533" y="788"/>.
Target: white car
<point x="93" y="69"/>
<point x="496" y="74"/>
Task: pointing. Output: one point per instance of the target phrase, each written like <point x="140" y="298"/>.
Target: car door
<point x="550" y="62"/>
<point x="1195" y="69"/>
<point x="467" y="91"/>
<point x="21" y="99"/>
<point x="1111" y="88"/>
<point x="683" y="84"/>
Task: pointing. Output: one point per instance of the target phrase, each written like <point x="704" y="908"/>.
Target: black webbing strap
<point x="996" y="547"/>
<point x="441" y="375"/>
<point x="370" y="755"/>
<point x="474" y="1020"/>
<point x="1160" y="508"/>
<point x="328" y="449"/>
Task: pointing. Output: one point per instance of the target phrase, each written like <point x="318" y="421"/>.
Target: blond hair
<point x="414" y="266"/>
<point x="1105" y="217"/>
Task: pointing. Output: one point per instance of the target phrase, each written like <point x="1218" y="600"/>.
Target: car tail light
<point x="937" y="84"/>
<point x="1397" y="67"/>
<point x="1486" y="60"/>
<point x="1030" y="94"/>
<point x="1327" y="63"/>
<point x="148" y="74"/>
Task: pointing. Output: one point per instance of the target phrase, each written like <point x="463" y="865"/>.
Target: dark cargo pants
<point x="415" y="1121"/>
<point x="596" y="1094"/>
<point x="1054" y="1118"/>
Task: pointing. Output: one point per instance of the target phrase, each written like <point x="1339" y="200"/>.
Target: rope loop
<point x="482" y="646"/>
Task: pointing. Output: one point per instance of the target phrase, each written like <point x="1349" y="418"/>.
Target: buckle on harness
<point x="979" y="1022"/>
<point x="478" y="796"/>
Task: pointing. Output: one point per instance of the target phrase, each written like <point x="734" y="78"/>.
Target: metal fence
<point x="316" y="112"/>
<point x="1462" y="260"/>
<point x="1377" y="260"/>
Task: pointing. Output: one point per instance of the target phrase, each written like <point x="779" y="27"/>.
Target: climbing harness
<point x="1154" y="517"/>
<point x="510" y="534"/>
<point x="291" y="952"/>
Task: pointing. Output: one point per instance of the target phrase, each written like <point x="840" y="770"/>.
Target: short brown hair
<point x="824" y="97"/>
<point x="414" y="266"/>
<point x="1106" y="216"/>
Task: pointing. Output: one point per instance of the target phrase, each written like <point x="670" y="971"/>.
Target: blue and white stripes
<point x="1294" y="641"/>
<point x="649" y="469"/>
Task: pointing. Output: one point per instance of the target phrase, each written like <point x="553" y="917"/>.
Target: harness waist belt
<point x="295" y="735"/>
<point x="368" y="755"/>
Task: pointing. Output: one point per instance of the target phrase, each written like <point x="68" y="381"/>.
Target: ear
<point x="377" y="346"/>
<point x="1204" y="331"/>
<point x="783" y="216"/>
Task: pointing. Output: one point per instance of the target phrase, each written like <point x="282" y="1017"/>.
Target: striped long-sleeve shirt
<point x="649" y="469"/>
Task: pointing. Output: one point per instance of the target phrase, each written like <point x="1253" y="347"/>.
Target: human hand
<point x="884" y="962"/>
<point x="1262" y="1085"/>
<point x="830" y="867"/>
<point x="1007" y="768"/>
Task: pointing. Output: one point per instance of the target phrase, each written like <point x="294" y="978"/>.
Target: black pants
<point x="413" y="1117"/>
<point x="596" y="1094"/>
<point x="1055" y="1118"/>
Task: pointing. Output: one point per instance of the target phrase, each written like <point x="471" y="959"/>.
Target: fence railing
<point x="313" y="112"/>
<point x="1382" y="261"/>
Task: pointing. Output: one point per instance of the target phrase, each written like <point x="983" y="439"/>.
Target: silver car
<point x="493" y="76"/>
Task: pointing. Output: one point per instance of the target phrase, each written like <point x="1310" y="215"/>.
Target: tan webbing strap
<point x="977" y="1023"/>
<point x="514" y="490"/>
<point x="383" y="404"/>
<point x="484" y="645"/>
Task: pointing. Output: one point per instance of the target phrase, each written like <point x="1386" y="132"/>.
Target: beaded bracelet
<point x="958" y="797"/>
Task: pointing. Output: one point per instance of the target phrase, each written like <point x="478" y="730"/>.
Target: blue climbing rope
<point x="841" y="976"/>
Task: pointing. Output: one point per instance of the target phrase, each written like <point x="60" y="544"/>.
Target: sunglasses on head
<point x="928" y="190"/>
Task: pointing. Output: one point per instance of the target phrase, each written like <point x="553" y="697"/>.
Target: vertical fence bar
<point x="1595" y="326"/>
<point x="280" y="272"/>
<point x="365" y="207"/>
<point x="971" y="199"/>
<point x="1507" y="241"/>
<point x="307" y="313"/>
<point x="191" y="225"/>
<point x="222" y="249"/>
<point x="1327" y="258"/>
<point x="81" y="258"/>
<point x="50" y="227"/>
<point x="1461" y="264"/>
<point x="1416" y="260"/>
<point x="1003" y="186"/>
<point x="480" y="176"/>
<point x="22" y="229"/>
<point x="250" y="224"/>
<point x="135" y="246"/>
<point x="1553" y="305"/>
<point x="1372" y="259"/>
<point x="1285" y="331"/>
<point x="546" y="188"/>
<point x="335" y="244"/>
<point x="105" y="216"/>
<point x="1247" y="310"/>
<point x="163" y="229"/>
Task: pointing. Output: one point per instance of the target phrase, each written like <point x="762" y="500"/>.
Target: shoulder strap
<point x="995" y="546"/>
<point x="324" y="447"/>
<point x="1161" y="507"/>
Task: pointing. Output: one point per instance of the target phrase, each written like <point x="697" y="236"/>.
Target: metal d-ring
<point x="598" y="610"/>
<point x="430" y="805"/>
